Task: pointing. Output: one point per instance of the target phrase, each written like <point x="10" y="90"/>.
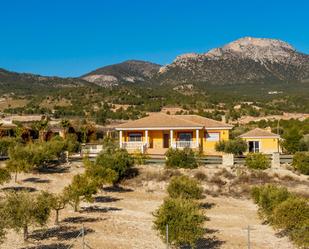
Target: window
<point x="135" y="137"/>
<point x="185" y="136"/>
<point x="254" y="146"/>
<point x="213" y="136"/>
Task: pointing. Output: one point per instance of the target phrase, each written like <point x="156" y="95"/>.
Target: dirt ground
<point x="122" y="217"/>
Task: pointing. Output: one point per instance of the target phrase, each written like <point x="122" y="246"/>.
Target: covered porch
<point x="158" y="141"/>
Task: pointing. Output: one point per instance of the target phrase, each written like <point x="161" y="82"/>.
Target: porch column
<point x="197" y="138"/>
<point x="171" y="138"/>
<point x="146" y="138"/>
<point x="120" y="139"/>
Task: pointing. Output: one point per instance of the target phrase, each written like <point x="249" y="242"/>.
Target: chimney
<point x="268" y="128"/>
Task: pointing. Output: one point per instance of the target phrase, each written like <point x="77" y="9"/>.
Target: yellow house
<point x="156" y="133"/>
<point x="263" y="141"/>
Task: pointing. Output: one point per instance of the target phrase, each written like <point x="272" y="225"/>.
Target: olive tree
<point x="99" y="174"/>
<point x="82" y="188"/>
<point x="184" y="219"/>
<point x="184" y="187"/>
<point x="58" y="202"/>
<point x="119" y="160"/>
<point x="23" y="209"/>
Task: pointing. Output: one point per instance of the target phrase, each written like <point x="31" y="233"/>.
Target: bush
<point x="236" y="146"/>
<point x="301" y="162"/>
<point x="300" y="236"/>
<point x="257" y="161"/>
<point x="200" y="176"/>
<point x="268" y="197"/>
<point x="184" y="187"/>
<point x="291" y="213"/>
<point x="285" y="211"/>
<point x="180" y="158"/>
<point x="140" y="158"/>
<point x="184" y="219"/>
<point x="5" y="175"/>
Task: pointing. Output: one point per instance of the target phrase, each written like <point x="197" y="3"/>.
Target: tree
<point x="5" y="144"/>
<point x="184" y="187"/>
<point x="257" y="161"/>
<point x="72" y="145"/>
<point x="5" y="175"/>
<point x="184" y="219"/>
<point x="180" y="158"/>
<point x="34" y="155"/>
<point x="119" y="160"/>
<point x="301" y="162"/>
<point x="16" y="167"/>
<point x="58" y="202"/>
<point x="81" y="188"/>
<point x="292" y="141"/>
<point x="65" y="124"/>
<point x="41" y="127"/>
<point x="99" y="174"/>
<point x="23" y="209"/>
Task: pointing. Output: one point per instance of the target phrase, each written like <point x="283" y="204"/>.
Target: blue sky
<point x="70" y="38"/>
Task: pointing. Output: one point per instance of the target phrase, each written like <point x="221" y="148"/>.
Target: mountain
<point x="125" y="72"/>
<point x="26" y="83"/>
<point x="247" y="60"/>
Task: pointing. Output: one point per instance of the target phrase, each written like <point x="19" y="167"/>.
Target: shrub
<point x="184" y="187"/>
<point x="301" y="162"/>
<point x="5" y="175"/>
<point x="291" y="213"/>
<point x="200" y="176"/>
<point x="257" y="161"/>
<point x="268" y="197"/>
<point x="236" y="146"/>
<point x="140" y="158"/>
<point x="184" y="219"/>
<point x="180" y="158"/>
<point x="300" y="236"/>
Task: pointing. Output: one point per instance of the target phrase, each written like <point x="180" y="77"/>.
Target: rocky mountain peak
<point x="244" y="60"/>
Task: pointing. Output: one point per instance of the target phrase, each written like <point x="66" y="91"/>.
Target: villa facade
<point x="156" y="133"/>
<point x="260" y="140"/>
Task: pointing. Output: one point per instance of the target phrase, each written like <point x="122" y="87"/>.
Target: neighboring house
<point x="91" y="149"/>
<point x="158" y="132"/>
<point x="263" y="141"/>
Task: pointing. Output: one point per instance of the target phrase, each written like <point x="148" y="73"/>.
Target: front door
<point x="166" y="140"/>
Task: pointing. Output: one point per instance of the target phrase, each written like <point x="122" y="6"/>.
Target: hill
<point x="131" y="71"/>
<point x="25" y="83"/>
